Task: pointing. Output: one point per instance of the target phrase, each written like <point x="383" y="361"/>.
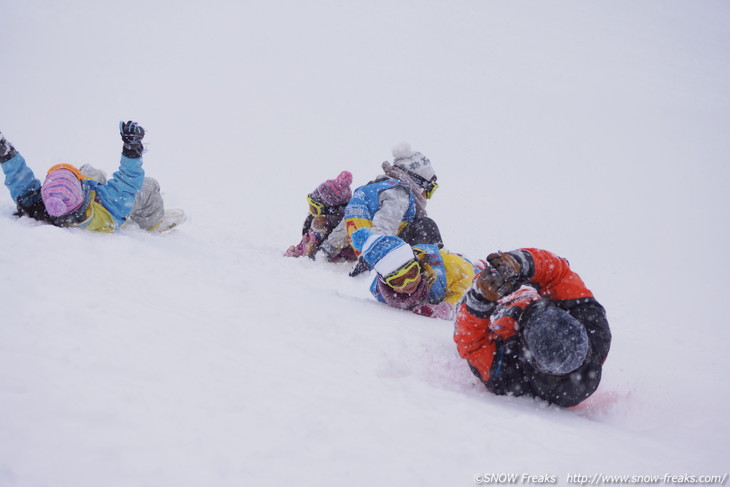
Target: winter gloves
<point x="443" y="310"/>
<point x="307" y="246"/>
<point x="132" y="135"/>
<point x="328" y="250"/>
<point x="359" y="267"/>
<point x="7" y="151"/>
<point x="500" y="278"/>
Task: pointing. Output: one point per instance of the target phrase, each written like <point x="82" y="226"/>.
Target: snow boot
<point x="171" y="219"/>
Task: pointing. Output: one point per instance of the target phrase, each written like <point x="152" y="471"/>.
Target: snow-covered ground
<point x="598" y="130"/>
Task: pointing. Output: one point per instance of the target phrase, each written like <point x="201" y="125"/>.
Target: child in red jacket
<point x="529" y="326"/>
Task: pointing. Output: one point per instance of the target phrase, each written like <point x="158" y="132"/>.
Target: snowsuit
<point x="389" y="205"/>
<point x="326" y="210"/>
<point x="107" y="204"/>
<point x="447" y="276"/>
<point x="317" y="229"/>
<point x="488" y="335"/>
<point x="386" y="206"/>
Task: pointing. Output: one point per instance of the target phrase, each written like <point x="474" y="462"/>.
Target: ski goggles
<point x="318" y="209"/>
<point x="404" y="276"/>
<point x="315" y="207"/>
<point x="429" y="187"/>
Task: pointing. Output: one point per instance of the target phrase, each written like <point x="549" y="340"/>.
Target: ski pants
<point x="422" y="231"/>
<point x="512" y="374"/>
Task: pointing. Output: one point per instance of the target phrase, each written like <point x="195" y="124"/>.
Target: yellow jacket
<point x="457" y="272"/>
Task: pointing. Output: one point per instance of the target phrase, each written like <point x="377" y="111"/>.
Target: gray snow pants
<point x="148" y="208"/>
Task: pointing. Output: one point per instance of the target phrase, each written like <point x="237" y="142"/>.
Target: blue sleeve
<point x="118" y="194"/>
<point x="19" y="178"/>
<point x="374" y="290"/>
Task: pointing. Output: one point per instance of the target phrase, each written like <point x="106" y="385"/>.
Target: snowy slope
<point x="202" y="357"/>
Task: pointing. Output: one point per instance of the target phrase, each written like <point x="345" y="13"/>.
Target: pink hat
<point x="62" y="193"/>
<point x="334" y="192"/>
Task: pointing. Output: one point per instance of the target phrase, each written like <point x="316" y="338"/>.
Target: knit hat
<point x="334" y="192"/>
<point x="384" y="253"/>
<point x="413" y="162"/>
<point x="557" y="342"/>
<point x="62" y="193"/>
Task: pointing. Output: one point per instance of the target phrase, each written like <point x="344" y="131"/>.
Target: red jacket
<point x="487" y="332"/>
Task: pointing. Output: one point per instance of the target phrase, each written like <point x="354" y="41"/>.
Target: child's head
<point x="334" y="192"/>
<point x="556" y="341"/>
<point x="62" y="192"/>
<point x="392" y="258"/>
<point x="417" y="166"/>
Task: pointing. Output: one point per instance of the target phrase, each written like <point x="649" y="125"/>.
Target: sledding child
<point x="82" y="197"/>
<point x="423" y="279"/>
<point x="394" y="203"/>
<point x="326" y="209"/>
<point x="529" y="326"/>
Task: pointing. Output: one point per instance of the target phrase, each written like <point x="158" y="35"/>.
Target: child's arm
<point x="21" y="181"/>
<point x="19" y="178"/>
<point x="474" y="341"/>
<point x="553" y="275"/>
<point x="119" y="193"/>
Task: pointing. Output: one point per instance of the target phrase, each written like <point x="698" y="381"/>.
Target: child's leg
<point x="422" y="230"/>
<point x="148" y="208"/>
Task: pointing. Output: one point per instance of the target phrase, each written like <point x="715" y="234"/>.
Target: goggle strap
<point x="68" y="167"/>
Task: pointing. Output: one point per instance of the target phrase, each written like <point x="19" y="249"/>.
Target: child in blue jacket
<point x="71" y="197"/>
<point x="423" y="278"/>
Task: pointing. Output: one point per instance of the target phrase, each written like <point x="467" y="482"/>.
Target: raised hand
<point x="7" y="151"/>
<point x="500" y="278"/>
<point x="132" y="134"/>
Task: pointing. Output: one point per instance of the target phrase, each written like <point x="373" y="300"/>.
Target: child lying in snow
<point x="394" y="203"/>
<point x="423" y="279"/>
<point x="71" y="197"/>
<point x="529" y="326"/>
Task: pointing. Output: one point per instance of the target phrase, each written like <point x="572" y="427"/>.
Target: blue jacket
<point x="365" y="201"/>
<point x="448" y="275"/>
<point x="111" y="202"/>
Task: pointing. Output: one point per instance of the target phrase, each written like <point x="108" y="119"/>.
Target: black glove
<point x="500" y="278"/>
<point x="359" y="267"/>
<point x="7" y="151"/>
<point x="132" y="135"/>
<point x="327" y="249"/>
<point x="505" y="264"/>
